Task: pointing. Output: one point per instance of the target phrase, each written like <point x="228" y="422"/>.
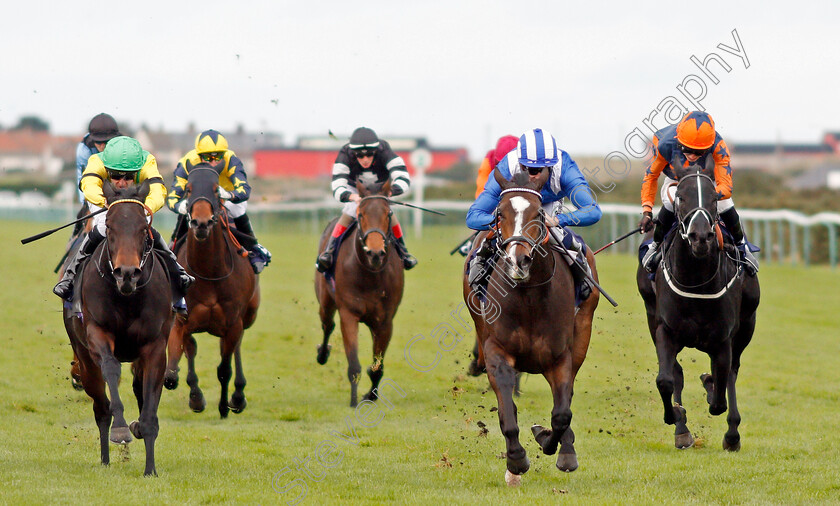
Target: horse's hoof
<point x="474" y="369"/>
<point x="197" y="403"/>
<point x="567" y="462"/>
<point x="323" y="353"/>
<point x="731" y="446"/>
<point x="370" y="396"/>
<point x="120" y="435"/>
<point x="170" y="382"/>
<point x="518" y="466"/>
<point x="683" y="441"/>
<point x="542" y="435"/>
<point x="224" y="410"/>
<point x="236" y="405"/>
<point x="512" y="480"/>
<point x="134" y="427"/>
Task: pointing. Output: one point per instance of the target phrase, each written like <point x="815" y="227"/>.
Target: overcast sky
<point x="461" y="73"/>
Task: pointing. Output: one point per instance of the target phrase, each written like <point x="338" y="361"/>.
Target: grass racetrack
<point x="426" y="447"/>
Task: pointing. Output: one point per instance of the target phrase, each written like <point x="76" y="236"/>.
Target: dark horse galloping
<point x="701" y="299"/>
<point x="533" y="326"/>
<point x="126" y="317"/>
<point x="368" y="287"/>
<point x="224" y="299"/>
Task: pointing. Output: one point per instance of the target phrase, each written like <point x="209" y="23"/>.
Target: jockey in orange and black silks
<point x="211" y="149"/>
<point x="692" y="141"/>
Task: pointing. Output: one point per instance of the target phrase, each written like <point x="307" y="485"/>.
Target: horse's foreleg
<point x="237" y="400"/>
<point x="137" y="382"/>
<point x="327" y="314"/>
<point x="682" y="436"/>
<point x="666" y="353"/>
<point x="721" y="367"/>
<point x="94" y="386"/>
<point x="561" y="379"/>
<point x="503" y="378"/>
<point x="197" y="402"/>
<point x="732" y="439"/>
<point x="101" y="346"/>
<point x="350" y="336"/>
<point x="153" y="361"/>
<point x="381" y="338"/>
<point x="176" y="348"/>
<point x="228" y="344"/>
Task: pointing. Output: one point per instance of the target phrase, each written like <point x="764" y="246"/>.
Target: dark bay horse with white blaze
<point x="126" y="317"/>
<point x="700" y="299"/>
<point x="535" y="327"/>
<point x="368" y="287"/>
<point x="224" y="299"/>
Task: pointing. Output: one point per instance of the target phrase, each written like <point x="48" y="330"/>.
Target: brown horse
<point x="224" y="299"/>
<point x="368" y="287"/>
<point x="126" y="317"/>
<point x="528" y="322"/>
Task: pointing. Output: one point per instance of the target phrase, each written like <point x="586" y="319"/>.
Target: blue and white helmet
<point x="537" y="148"/>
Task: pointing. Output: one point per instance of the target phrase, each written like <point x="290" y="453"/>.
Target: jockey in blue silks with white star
<point x="537" y="151"/>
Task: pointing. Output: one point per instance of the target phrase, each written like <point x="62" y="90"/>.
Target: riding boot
<point x="480" y="268"/>
<point x="177" y="273"/>
<point x="325" y="259"/>
<point x="664" y="222"/>
<point x="258" y="254"/>
<point x="64" y="288"/>
<point x="733" y="224"/>
<point x="408" y="259"/>
<point x="580" y="267"/>
<point x="180" y="231"/>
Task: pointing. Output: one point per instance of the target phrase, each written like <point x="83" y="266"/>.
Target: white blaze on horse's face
<point x="520" y="205"/>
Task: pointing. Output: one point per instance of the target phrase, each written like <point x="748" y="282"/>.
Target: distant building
<point x="827" y="175"/>
<point x="34" y="151"/>
<point x="313" y="157"/>
<point x="778" y="156"/>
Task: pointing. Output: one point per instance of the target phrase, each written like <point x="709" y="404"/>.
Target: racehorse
<point x="126" y="317"/>
<point x="533" y="325"/>
<point x="702" y="299"/>
<point x="368" y="287"/>
<point x="224" y="299"/>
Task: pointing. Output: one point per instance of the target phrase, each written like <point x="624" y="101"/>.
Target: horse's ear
<point x="504" y="184"/>
<point x="386" y="189"/>
<point x="108" y="190"/>
<point x="362" y="189"/>
<point x="709" y="165"/>
<point x="677" y="166"/>
<point x="143" y="191"/>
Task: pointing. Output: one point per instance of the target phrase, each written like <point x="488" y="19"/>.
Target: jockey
<point x="211" y="148"/>
<point x="691" y="141"/>
<point x="370" y="160"/>
<point x="535" y="152"/>
<point x="122" y="162"/>
<point x="504" y="146"/>
<point x="102" y="128"/>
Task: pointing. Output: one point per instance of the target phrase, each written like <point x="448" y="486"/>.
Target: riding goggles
<point x="211" y="157"/>
<point x="691" y="151"/>
<point x="363" y="153"/>
<point x="117" y="175"/>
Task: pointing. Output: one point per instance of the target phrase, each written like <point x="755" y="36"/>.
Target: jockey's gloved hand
<point x="225" y="194"/>
<point x="182" y="207"/>
<point x="646" y="224"/>
<point x="551" y="221"/>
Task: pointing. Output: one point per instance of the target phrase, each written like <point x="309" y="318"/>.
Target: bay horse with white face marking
<point x="529" y="322"/>
<point x="224" y="299"/>
<point x="126" y="316"/>
<point x="700" y="299"/>
<point x="368" y="287"/>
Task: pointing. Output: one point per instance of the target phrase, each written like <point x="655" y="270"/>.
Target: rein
<point x="227" y="234"/>
<point x="525" y="241"/>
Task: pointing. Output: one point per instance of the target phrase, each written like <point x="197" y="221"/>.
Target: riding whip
<point x="625" y="236"/>
<point x="48" y="232"/>
<point x="556" y="235"/>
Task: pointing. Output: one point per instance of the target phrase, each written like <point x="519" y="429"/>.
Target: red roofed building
<point x="314" y="157"/>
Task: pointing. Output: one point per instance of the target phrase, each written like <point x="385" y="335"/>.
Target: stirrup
<point x="749" y="260"/>
<point x="409" y="262"/>
<point x="64" y="289"/>
<point x="652" y="258"/>
<point x="324" y="262"/>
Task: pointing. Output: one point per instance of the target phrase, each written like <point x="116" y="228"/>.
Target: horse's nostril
<point x="526" y="261"/>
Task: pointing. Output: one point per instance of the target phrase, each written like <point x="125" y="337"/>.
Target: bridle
<point x="148" y="245"/>
<point x="361" y="236"/>
<point x="524" y="240"/>
<point x="698" y="212"/>
<point x="218" y="215"/>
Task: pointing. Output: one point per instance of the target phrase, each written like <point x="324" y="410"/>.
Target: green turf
<point x="427" y="447"/>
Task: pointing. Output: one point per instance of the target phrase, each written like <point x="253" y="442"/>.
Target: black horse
<point x="701" y="298"/>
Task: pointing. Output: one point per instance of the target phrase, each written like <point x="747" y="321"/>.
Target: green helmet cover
<point x="123" y="154"/>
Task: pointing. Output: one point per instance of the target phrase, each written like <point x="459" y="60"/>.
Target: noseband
<point x="699" y="211"/>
